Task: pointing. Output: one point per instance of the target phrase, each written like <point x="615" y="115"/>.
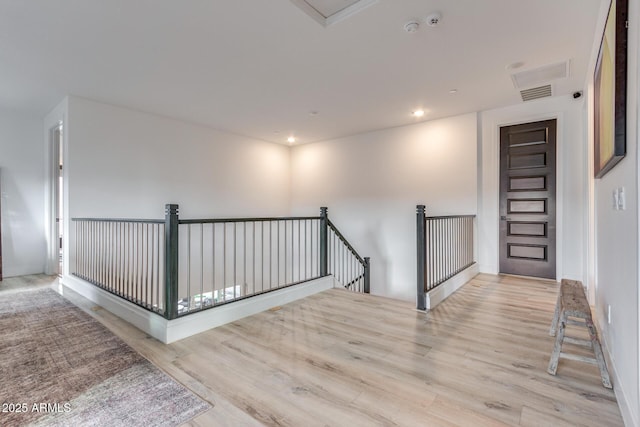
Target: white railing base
<point x="446" y="289"/>
<point x="168" y="331"/>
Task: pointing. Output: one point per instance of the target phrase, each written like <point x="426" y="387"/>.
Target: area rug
<point x="61" y="367"/>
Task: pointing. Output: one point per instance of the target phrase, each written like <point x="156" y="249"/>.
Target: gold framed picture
<point x="610" y="91"/>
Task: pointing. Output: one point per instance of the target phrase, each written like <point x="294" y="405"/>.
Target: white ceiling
<point x="258" y="68"/>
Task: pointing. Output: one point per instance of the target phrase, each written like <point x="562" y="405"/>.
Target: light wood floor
<point x="342" y="359"/>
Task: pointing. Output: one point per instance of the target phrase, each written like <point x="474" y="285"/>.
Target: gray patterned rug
<point x="60" y="367"/>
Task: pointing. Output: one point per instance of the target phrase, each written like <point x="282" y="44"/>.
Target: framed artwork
<point x="610" y="91"/>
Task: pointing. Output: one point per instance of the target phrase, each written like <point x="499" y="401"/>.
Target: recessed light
<point x="418" y="113"/>
<point x="313" y="113"/>
<point x="291" y="139"/>
<point x="411" y="26"/>
<point x="452" y="91"/>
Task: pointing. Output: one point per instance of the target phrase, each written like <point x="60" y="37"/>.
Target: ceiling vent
<point x="538" y="76"/>
<point x="328" y="12"/>
<point x="536" y="93"/>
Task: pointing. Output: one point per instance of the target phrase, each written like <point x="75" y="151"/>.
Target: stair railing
<point x="175" y="266"/>
<point x="445" y="247"/>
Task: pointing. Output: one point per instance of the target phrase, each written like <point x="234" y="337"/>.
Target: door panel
<point x="527" y="183"/>
<point x="527" y="160"/>
<point x="527" y="229"/>
<point x="527" y="206"/>
<point x="528" y="200"/>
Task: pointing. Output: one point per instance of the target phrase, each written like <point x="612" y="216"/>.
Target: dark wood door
<point x="528" y="199"/>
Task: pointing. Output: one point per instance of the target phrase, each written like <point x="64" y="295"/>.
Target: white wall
<point x="616" y="250"/>
<point x="122" y="163"/>
<point x="125" y="163"/>
<point x="22" y="181"/>
<point x="372" y="183"/>
<point x="571" y="191"/>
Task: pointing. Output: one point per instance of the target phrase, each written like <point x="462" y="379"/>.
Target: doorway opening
<point x="58" y="195"/>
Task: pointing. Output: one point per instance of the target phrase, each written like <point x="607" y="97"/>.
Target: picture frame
<point x="610" y="91"/>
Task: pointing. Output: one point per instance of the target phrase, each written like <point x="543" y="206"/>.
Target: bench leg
<point x="556" y="315"/>
<point x="557" y="348"/>
<point x="597" y="351"/>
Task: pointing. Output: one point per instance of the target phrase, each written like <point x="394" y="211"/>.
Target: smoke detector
<point x="433" y="19"/>
<point x="411" y="26"/>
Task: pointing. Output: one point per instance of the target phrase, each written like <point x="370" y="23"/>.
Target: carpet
<point x="61" y="367"/>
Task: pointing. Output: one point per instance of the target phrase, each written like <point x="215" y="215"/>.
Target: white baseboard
<point x="199" y="322"/>
<point x="447" y="288"/>
<point x="151" y="323"/>
<point x="624" y="404"/>
<point x="168" y="331"/>
<point x="488" y="269"/>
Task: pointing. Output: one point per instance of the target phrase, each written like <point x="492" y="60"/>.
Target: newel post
<point x="421" y="234"/>
<point x="171" y="261"/>
<point x="324" y="247"/>
<point x="367" y="275"/>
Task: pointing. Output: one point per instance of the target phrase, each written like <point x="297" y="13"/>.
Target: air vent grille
<point x="536" y="93"/>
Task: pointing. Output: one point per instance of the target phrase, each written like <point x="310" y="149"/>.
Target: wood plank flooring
<point x="344" y="359"/>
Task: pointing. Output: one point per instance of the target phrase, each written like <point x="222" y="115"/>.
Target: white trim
<point x="559" y="118"/>
<point x="491" y="265"/>
<point x="192" y="324"/>
<point x="142" y="319"/>
<point x="624" y="404"/>
<point x="54" y="118"/>
<point x="168" y="331"/>
<point x="336" y="17"/>
<point x="446" y="289"/>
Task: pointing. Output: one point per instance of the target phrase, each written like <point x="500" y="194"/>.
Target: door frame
<point x="502" y="225"/>
<point x="52" y="197"/>
<point x="53" y="119"/>
<point x="489" y="182"/>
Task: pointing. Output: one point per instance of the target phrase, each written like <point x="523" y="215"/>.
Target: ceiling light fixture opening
<point x="418" y="113"/>
<point x="411" y="26"/>
<point x="291" y="139"/>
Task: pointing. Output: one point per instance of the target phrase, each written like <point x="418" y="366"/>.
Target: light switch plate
<point x="622" y="199"/>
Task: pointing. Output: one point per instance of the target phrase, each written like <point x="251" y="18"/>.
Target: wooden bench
<point x="572" y="303"/>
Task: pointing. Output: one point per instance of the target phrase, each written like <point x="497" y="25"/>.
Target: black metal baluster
<point x="235" y="278"/>
<point x="306" y="252"/>
<point x="261" y="256"/>
<point x="244" y="257"/>
<point x="154" y="278"/>
<point x="188" y="308"/>
<point x="213" y="262"/>
<point x="201" y="266"/>
<point x="224" y="262"/>
<point x="254" y="257"/>
<point x="118" y="274"/>
<point x="312" y="249"/>
<point x="141" y="263"/>
<point x="299" y="253"/>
